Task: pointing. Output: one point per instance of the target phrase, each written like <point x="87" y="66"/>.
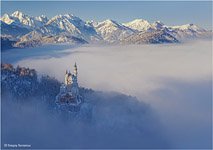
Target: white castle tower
<point x="69" y="91"/>
<point x="65" y="78"/>
<point x="75" y="70"/>
<point x="71" y="78"/>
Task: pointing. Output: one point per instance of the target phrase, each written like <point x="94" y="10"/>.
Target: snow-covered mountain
<point x="111" y="31"/>
<point x="31" y="30"/>
<point x="13" y="31"/>
<point x="181" y="33"/>
<point x="191" y="27"/>
<point x="154" y="37"/>
<point x="188" y="31"/>
<point x="139" y="25"/>
<point x="144" y="25"/>
<point x="62" y="25"/>
<point x="40" y="39"/>
<point x="74" y="26"/>
<point x="23" y="20"/>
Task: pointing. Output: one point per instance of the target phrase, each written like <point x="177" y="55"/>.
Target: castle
<point x="69" y="91"/>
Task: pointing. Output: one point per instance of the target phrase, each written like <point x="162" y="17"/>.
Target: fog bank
<point x="175" y="80"/>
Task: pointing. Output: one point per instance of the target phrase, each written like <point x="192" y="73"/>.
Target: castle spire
<point x="65" y="78"/>
<point x="75" y="70"/>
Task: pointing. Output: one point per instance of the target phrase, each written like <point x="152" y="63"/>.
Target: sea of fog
<point x="175" y="80"/>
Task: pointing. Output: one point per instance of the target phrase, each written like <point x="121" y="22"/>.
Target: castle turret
<point x="69" y="78"/>
<point x="65" y="78"/>
<point x="75" y="70"/>
<point x="69" y="96"/>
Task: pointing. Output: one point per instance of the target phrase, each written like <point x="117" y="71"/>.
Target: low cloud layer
<point x="106" y="120"/>
<point x="175" y="80"/>
<point x="128" y="68"/>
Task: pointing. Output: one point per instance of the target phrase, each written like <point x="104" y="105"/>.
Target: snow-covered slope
<point x="12" y="30"/>
<point x="139" y="25"/>
<point x="27" y="29"/>
<point x="111" y="31"/>
<point x="144" y="25"/>
<point x="74" y="26"/>
<point x="189" y="31"/>
<point x="23" y="20"/>
<point x="191" y="27"/>
<point x="182" y="33"/>
<point x="26" y="41"/>
<point x="154" y="37"/>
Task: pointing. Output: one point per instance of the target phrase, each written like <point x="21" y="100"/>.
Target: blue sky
<point x="171" y="13"/>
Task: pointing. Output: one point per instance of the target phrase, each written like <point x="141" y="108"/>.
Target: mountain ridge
<point x="25" y="28"/>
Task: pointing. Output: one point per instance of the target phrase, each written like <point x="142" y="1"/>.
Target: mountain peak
<point x="7" y="19"/>
<point x="18" y="14"/>
<point x="110" y="21"/>
<point x="158" y="25"/>
<point x="109" y="31"/>
<point x="69" y="15"/>
<point x="194" y="27"/>
<point x="65" y="16"/>
<point x="92" y="23"/>
<point x="6" y="16"/>
<point x="41" y="18"/>
<point x="139" y="20"/>
<point x="159" y="22"/>
<point x="190" y="26"/>
<point x="138" y="24"/>
<point x="23" y="20"/>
